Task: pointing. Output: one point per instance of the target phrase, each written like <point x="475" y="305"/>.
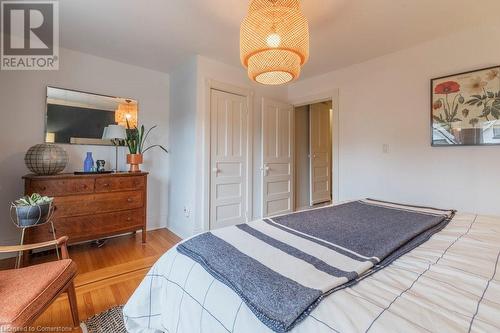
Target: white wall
<point x="386" y="101"/>
<point x="183" y="109"/>
<point x="214" y="70"/>
<point x="22" y="111"/>
<point x="188" y="109"/>
<point x="209" y="69"/>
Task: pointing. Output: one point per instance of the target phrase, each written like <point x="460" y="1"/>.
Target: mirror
<point x="76" y="117"/>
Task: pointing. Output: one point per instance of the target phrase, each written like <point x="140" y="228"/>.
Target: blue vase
<point x="88" y="164"/>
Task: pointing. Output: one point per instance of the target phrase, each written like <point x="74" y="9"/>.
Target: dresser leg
<point x="144" y="235"/>
<point x="25" y="260"/>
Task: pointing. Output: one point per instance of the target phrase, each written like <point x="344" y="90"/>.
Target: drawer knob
<point x="106" y="185"/>
<point x="129" y="200"/>
<point x="43" y="188"/>
<point x="129" y="218"/>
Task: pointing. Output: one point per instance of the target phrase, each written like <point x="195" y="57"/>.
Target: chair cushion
<point x="26" y="291"/>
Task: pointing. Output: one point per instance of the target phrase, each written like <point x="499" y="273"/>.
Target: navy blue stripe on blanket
<point x="319" y="264"/>
<point x="320" y="242"/>
<point x="276" y="300"/>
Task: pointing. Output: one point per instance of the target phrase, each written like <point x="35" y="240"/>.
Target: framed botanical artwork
<point x="465" y="108"/>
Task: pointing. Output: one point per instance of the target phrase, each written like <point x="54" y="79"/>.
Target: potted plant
<point x="136" y="139"/>
<point x="32" y="209"/>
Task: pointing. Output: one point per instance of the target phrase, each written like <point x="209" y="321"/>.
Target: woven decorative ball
<point x="46" y="159"/>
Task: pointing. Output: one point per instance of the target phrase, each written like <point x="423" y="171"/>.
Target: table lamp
<point x="114" y="132"/>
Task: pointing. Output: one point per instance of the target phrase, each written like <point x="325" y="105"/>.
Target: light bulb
<point x="128" y="116"/>
<point x="273" y="40"/>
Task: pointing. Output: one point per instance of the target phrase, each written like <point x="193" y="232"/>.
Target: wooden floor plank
<point x="107" y="276"/>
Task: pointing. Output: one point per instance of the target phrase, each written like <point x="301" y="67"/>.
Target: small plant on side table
<point x="136" y="140"/>
<point x="32" y="210"/>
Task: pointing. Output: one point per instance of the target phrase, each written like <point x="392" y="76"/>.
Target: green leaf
<point x="473" y="101"/>
<point x="153" y="146"/>
<point x="146" y="136"/>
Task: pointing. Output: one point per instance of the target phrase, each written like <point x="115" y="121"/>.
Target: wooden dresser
<point x="90" y="207"/>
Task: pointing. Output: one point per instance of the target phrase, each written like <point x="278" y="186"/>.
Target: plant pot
<point x="135" y="160"/>
<point x="31" y="215"/>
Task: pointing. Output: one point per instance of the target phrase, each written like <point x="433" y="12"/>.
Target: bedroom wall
<point x="22" y="124"/>
<point x="386" y="101"/>
<point x="209" y="69"/>
<point x="183" y="104"/>
<point x="188" y="111"/>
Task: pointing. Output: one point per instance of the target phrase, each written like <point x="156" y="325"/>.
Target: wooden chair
<point x="26" y="292"/>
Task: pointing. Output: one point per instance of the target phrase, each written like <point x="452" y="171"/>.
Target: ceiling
<point x="160" y="34"/>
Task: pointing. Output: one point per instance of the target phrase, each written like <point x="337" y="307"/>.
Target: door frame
<point x="329" y="95"/>
<point x="206" y="174"/>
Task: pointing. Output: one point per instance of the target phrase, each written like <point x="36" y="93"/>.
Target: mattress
<point x="448" y="284"/>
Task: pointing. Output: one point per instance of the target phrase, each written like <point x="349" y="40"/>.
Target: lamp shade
<point x="113" y="132"/>
<point x="274" y="41"/>
<point x="127" y="112"/>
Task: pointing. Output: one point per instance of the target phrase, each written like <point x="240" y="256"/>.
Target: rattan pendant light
<point x="274" y="41"/>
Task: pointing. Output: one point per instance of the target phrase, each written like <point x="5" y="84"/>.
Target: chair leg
<point x="72" y="304"/>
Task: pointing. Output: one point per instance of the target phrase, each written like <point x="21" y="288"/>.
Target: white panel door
<point x="320" y="139"/>
<point x="277" y="157"/>
<point x="228" y="159"/>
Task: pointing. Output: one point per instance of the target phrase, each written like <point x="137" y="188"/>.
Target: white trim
<point x="249" y="95"/>
<point x="334" y="96"/>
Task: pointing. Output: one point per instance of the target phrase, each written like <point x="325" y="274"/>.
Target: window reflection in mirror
<point x="76" y="117"/>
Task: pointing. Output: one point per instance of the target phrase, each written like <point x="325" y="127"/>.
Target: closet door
<point x="320" y="139"/>
<point x="277" y="157"/>
<point x="228" y="159"/>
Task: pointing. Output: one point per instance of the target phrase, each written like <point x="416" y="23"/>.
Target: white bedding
<point x="449" y="284"/>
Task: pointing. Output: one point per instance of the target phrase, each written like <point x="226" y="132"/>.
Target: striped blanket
<point x="283" y="267"/>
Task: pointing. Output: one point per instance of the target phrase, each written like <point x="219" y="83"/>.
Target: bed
<point x="448" y="283"/>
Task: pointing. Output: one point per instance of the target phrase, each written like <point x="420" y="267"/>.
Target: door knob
<point x="216" y="170"/>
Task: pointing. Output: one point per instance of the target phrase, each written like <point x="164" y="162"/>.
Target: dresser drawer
<point x="97" y="203"/>
<point x="109" y="184"/>
<point x="99" y="225"/>
<point x="61" y="187"/>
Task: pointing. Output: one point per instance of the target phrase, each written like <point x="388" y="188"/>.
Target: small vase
<point x="88" y="164"/>
<point x="135" y="160"/>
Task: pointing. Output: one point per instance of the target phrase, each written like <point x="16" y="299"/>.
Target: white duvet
<point x="449" y="284"/>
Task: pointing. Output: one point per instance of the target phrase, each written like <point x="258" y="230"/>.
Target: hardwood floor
<point x="107" y="276"/>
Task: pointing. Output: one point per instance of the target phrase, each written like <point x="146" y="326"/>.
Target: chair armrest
<point x="16" y="248"/>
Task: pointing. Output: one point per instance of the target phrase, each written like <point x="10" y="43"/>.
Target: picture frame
<point x="465" y="108"/>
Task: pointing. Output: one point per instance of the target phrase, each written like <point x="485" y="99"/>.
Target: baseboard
<point x="11" y="241"/>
